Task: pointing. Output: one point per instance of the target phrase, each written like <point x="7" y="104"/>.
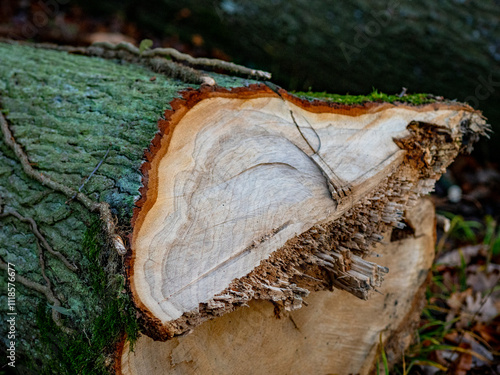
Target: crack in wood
<point x="228" y="261"/>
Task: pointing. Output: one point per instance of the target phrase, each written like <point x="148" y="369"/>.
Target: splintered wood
<point x="251" y="194"/>
<point x="335" y="334"/>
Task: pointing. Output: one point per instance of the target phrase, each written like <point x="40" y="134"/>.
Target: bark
<point x="99" y="196"/>
<point x="69" y="113"/>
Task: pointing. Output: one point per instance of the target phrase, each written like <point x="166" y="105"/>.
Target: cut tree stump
<point x="336" y="333"/>
<point x="136" y="185"/>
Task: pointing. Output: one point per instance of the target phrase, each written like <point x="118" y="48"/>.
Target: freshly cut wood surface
<point x="253" y="194"/>
<point x="336" y="333"/>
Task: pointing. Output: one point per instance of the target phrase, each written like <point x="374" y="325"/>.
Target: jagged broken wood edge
<point x="209" y="337"/>
<point x="328" y="255"/>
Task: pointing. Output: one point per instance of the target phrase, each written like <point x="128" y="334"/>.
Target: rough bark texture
<point x="85" y="125"/>
<point x="68" y="112"/>
<point x="336" y="333"/>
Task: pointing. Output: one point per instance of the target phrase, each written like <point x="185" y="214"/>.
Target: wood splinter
<point x="335" y="334"/>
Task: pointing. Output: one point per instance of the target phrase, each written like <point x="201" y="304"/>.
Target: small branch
<point x="338" y="189"/>
<point x="91" y="174"/>
<point x="403" y="92"/>
<point x="203" y="63"/>
<point x="174" y="68"/>
<point x="102" y="208"/>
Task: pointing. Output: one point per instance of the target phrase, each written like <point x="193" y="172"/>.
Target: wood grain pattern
<point x="336" y="333"/>
<point x="233" y="178"/>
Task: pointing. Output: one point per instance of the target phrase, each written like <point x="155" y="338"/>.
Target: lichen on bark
<point x="66" y="112"/>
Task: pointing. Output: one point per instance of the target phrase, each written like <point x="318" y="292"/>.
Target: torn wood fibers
<point x="336" y="333"/>
<point x="251" y="194"/>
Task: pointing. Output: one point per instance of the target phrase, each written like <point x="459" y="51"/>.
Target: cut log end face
<point x="254" y="195"/>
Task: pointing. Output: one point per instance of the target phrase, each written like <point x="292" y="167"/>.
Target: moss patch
<point x="374" y="96"/>
<point x="89" y="350"/>
<point x="67" y="111"/>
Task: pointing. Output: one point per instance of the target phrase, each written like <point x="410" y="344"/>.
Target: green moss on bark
<point x="374" y="96"/>
<point x="66" y="111"/>
<point x="90" y="350"/>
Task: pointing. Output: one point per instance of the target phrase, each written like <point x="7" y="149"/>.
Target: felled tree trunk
<point x="240" y="193"/>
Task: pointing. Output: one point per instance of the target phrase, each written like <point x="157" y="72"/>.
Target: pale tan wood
<point x="336" y="333"/>
<point x="239" y="178"/>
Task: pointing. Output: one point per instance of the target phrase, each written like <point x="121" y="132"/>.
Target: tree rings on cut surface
<point x="253" y="194"/>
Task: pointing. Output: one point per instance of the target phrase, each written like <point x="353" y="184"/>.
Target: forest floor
<point x="460" y="326"/>
<point x="459" y="329"/>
